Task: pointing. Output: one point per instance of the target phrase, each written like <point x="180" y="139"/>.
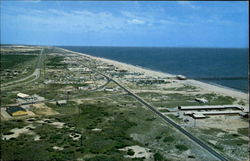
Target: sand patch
<point x="226" y="123"/>
<point x="58" y="124"/>
<point x="57" y="148"/>
<point x="17" y="132"/>
<point x="42" y="109"/>
<point x="139" y="152"/>
<point x="75" y="136"/>
<point x="96" y="130"/>
<point x="37" y="138"/>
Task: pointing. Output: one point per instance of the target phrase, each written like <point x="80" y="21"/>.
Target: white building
<point x="23" y="96"/>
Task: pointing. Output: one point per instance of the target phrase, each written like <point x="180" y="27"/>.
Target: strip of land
<point x="108" y="110"/>
<point x="205" y="86"/>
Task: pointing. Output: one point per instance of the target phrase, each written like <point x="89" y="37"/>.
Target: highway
<point x="35" y="74"/>
<point x="189" y="135"/>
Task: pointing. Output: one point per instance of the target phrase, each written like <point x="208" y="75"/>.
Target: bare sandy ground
<point x="149" y="73"/>
<point x="42" y="109"/>
<point x="16" y="132"/>
<point x="139" y="152"/>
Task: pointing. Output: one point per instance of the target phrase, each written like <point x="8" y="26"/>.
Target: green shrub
<point x="158" y="157"/>
<point x="181" y="147"/>
<point x="168" y="139"/>
<point x="130" y="152"/>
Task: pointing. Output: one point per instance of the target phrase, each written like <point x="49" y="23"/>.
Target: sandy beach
<point x="150" y="73"/>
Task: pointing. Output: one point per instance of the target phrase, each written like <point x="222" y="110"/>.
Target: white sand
<point x="139" y="152"/>
<point x="75" y="136"/>
<point x="58" y="125"/>
<point x="17" y="132"/>
<point x="57" y="148"/>
<point x="37" y="138"/>
<point x="96" y="130"/>
<point x="149" y="73"/>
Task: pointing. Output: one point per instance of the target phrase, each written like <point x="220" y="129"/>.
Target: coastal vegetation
<point x="101" y="121"/>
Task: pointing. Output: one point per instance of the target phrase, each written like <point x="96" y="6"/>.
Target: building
<point x="198" y="116"/>
<point x="23" y="96"/>
<point x="109" y="89"/>
<point x="217" y="113"/>
<point x="201" y="100"/>
<point x="89" y="82"/>
<point x="16" y="111"/>
<point x="211" y="107"/>
<point x="61" y="102"/>
<point x="181" y="77"/>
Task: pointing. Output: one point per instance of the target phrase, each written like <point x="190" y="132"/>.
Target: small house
<point x="16" y="111"/>
<point x="109" y="89"/>
<point x="201" y="100"/>
<point x="181" y="77"/>
<point x="23" y="96"/>
<point x="198" y="116"/>
<point x="61" y="102"/>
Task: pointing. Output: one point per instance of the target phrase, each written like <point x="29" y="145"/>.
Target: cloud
<point x="157" y="20"/>
<point x="187" y="4"/>
<point x="32" y="1"/>
<point x="143" y="18"/>
<point x="136" y="21"/>
<point x="79" y="20"/>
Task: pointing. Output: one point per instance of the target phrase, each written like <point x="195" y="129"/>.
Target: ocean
<point x="222" y="66"/>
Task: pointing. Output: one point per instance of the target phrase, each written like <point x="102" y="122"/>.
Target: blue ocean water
<point x="195" y="63"/>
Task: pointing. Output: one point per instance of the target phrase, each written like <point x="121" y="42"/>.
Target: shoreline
<point x="219" y="89"/>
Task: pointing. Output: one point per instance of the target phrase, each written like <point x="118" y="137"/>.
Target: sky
<point x="125" y="23"/>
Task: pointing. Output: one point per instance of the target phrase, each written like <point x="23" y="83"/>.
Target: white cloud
<point x="188" y="4"/>
<point x="80" y="20"/>
<point x="139" y="17"/>
<point x="32" y="1"/>
<point x="136" y="21"/>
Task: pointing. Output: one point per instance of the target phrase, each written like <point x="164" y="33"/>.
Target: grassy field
<point x="121" y="119"/>
<point x="120" y="126"/>
<point x="226" y="141"/>
<point x="176" y="99"/>
<point x="55" y="61"/>
<point x="18" y="62"/>
<point x="14" y="61"/>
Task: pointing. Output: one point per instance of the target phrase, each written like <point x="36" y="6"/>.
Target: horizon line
<point x="131" y="46"/>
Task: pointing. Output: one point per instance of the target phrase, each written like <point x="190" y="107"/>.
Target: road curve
<point x="36" y="73"/>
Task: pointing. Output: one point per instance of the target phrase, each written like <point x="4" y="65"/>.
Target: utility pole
<point x="67" y="97"/>
<point x="81" y="137"/>
<point x="81" y="130"/>
<point x="44" y="75"/>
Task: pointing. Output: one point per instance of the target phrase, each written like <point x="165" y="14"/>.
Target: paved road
<point x="102" y="86"/>
<point x="192" y="137"/>
<point x="35" y="74"/>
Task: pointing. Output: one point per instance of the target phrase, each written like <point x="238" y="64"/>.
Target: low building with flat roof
<point x="16" y="111"/>
<point x="61" y="102"/>
<point x="201" y="100"/>
<point x="210" y="107"/>
<point x="23" y="96"/>
<point x="217" y="112"/>
<point x="198" y="116"/>
<point x="181" y="77"/>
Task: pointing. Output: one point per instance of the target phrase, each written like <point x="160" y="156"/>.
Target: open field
<point x="14" y="67"/>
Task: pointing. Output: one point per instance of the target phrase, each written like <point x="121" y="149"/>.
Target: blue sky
<point x="123" y="23"/>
